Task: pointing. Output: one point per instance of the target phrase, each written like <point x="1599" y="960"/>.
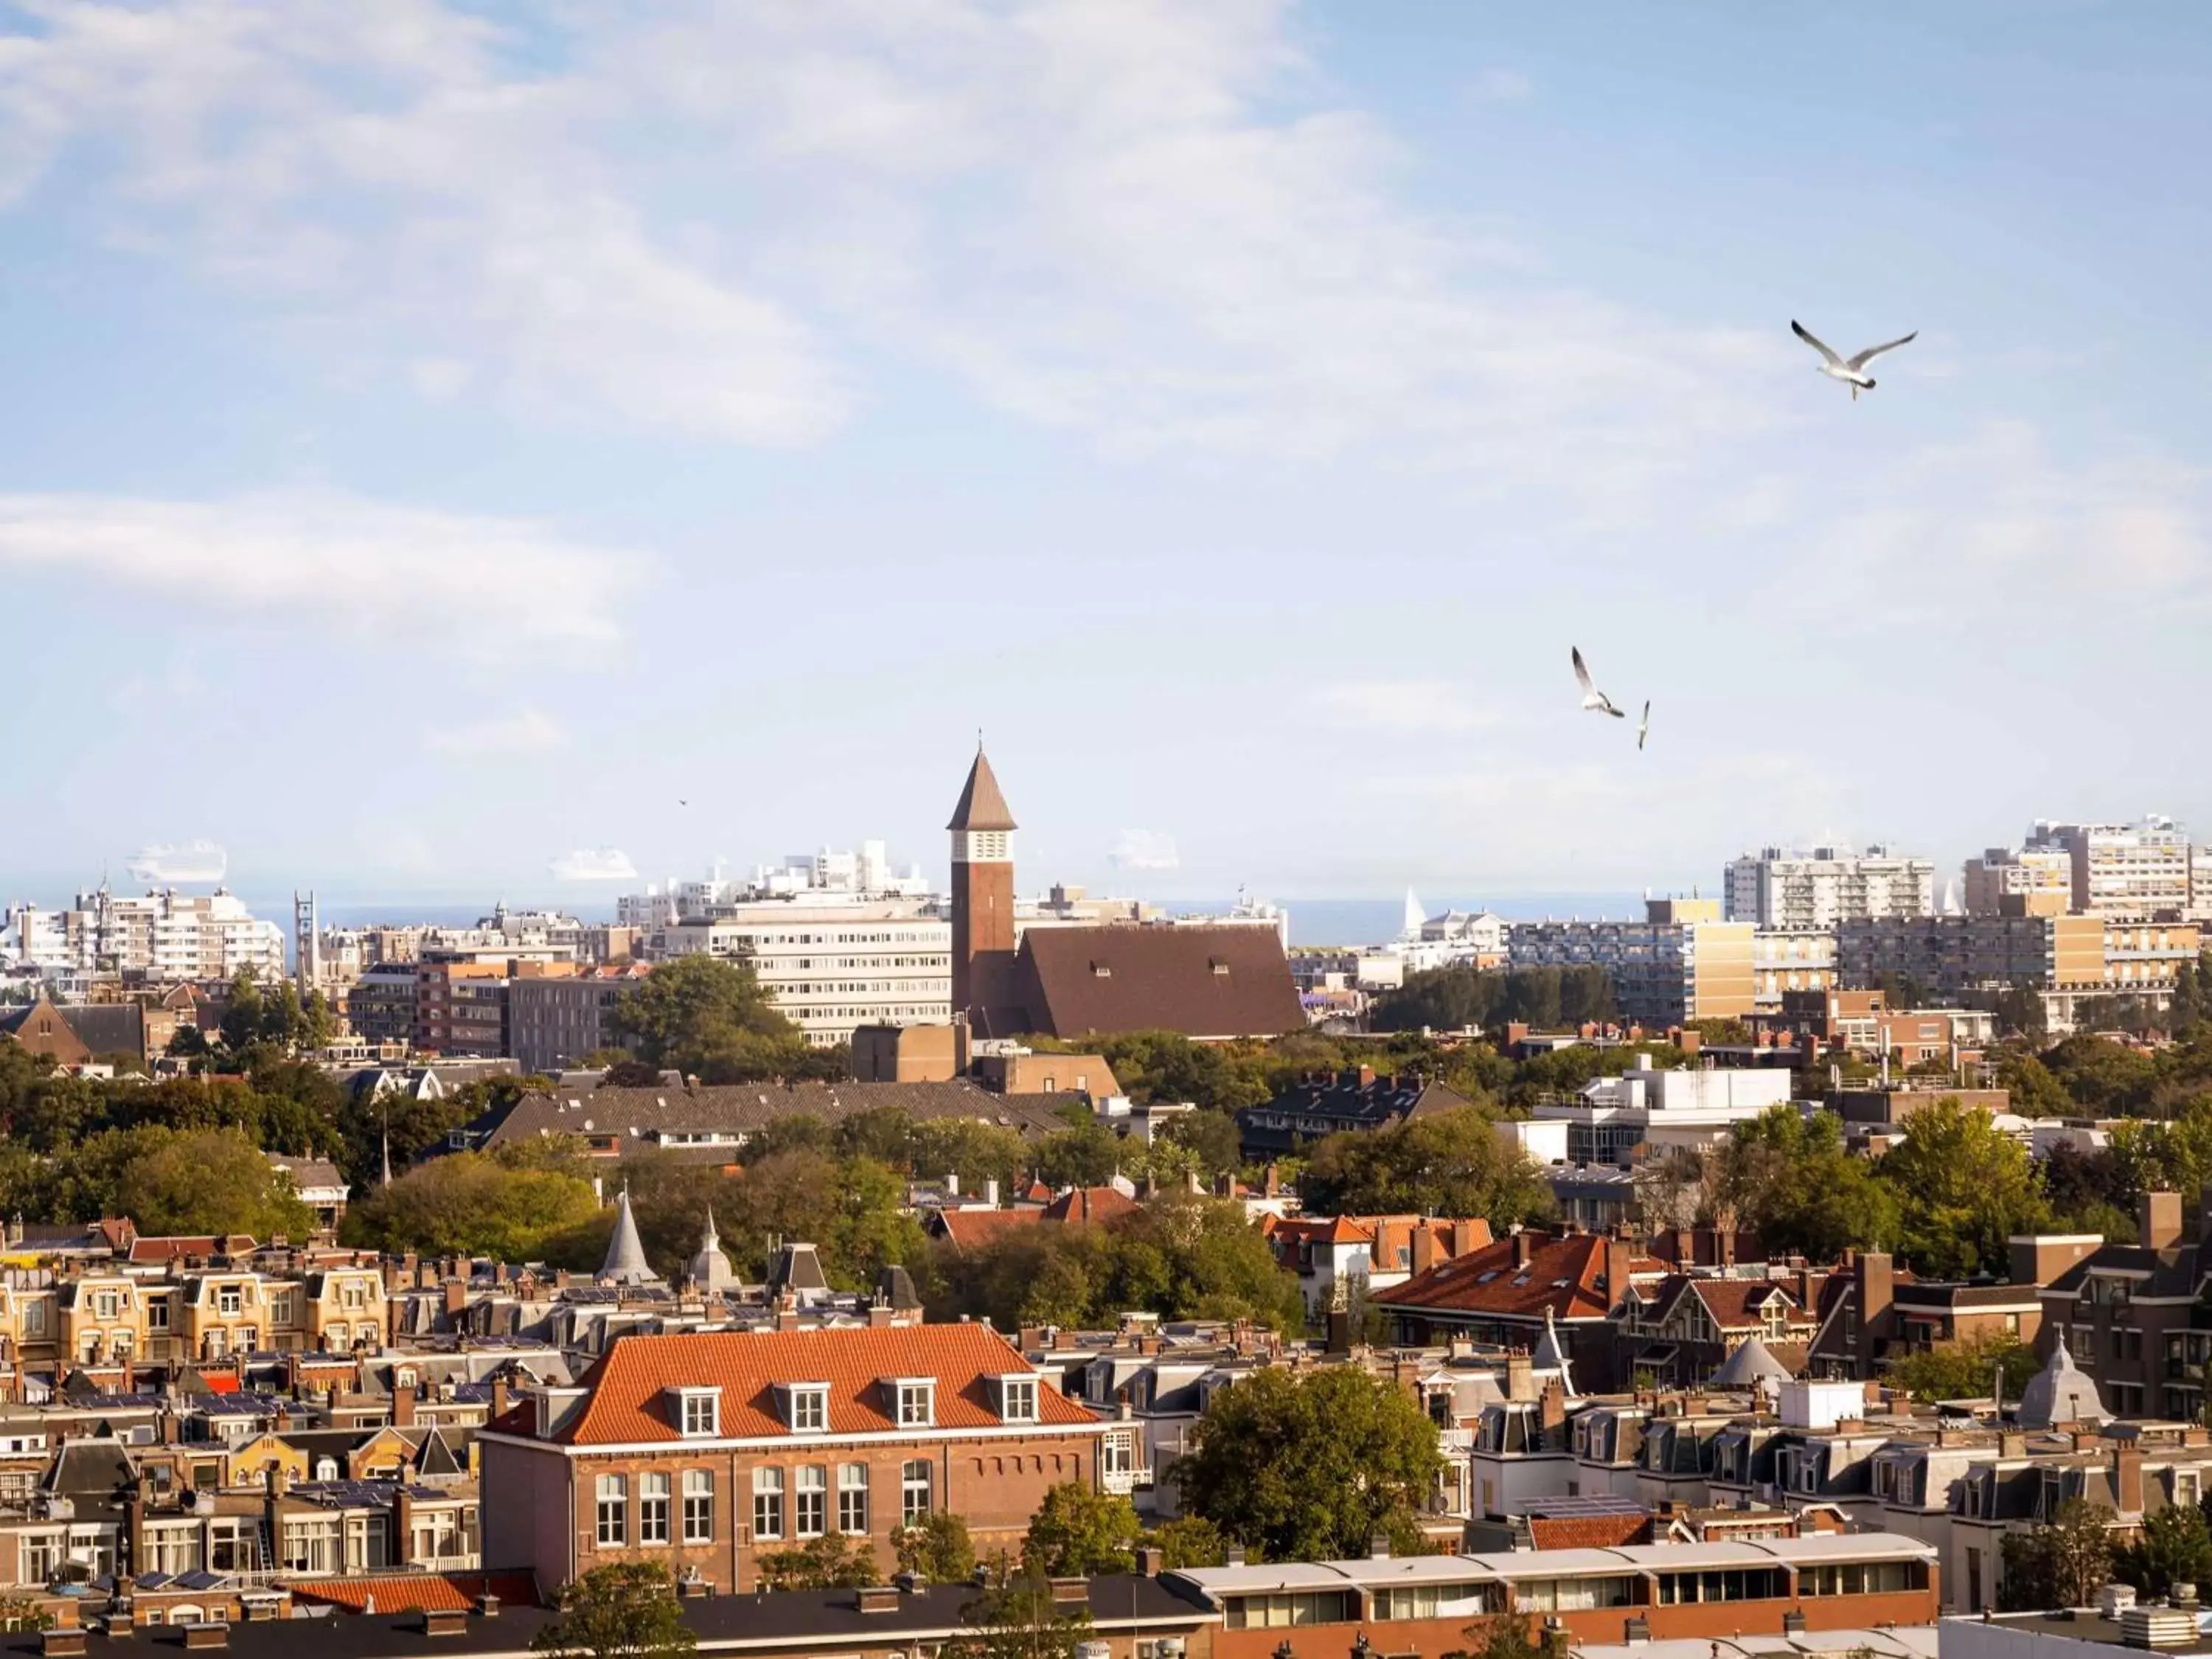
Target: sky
<point x="446" y="444"/>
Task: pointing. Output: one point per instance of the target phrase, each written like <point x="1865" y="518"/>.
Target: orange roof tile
<point x="420" y="1592"/>
<point x="1561" y="1274"/>
<point x="970" y="1230"/>
<point x="630" y="1385"/>
<point x="1082" y="1204"/>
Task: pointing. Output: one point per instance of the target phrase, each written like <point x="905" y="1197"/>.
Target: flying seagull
<point x="1849" y="370"/>
<point x="1593" y="699"/>
<point x="1643" y="725"/>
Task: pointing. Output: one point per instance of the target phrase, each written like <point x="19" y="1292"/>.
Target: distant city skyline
<point x="442" y="438"/>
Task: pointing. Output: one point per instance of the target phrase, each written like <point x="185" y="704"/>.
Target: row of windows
<point x="1567" y="1595"/>
<point x="798" y="1499"/>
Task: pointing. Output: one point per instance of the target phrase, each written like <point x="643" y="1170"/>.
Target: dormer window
<point x="1018" y="1399"/>
<point x="806" y="1407"/>
<point x="915" y="1399"/>
<point x="698" y="1412"/>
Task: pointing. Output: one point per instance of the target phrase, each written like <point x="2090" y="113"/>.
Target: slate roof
<point x="746" y="1107"/>
<point x="628" y="1388"/>
<point x="1203" y="981"/>
<point x="982" y="806"/>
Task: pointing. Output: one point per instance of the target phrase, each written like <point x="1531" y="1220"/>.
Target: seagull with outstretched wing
<point x="1643" y="725"/>
<point x="1852" y="370"/>
<point x="1593" y="699"/>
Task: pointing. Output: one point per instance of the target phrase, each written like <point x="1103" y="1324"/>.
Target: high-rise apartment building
<point x="1779" y="888"/>
<point x="167" y="936"/>
<point x="2069" y="960"/>
<point x="2030" y="881"/>
<point x="2123" y="871"/>
<point x="2200" y="883"/>
<point x="1680" y="962"/>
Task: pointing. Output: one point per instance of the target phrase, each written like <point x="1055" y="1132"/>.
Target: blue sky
<point x="438" y="437"/>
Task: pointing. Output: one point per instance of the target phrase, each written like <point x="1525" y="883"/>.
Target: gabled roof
<point x="981" y="805"/>
<point x="1202" y="981"/>
<point x="971" y="1229"/>
<point x="629" y="1388"/>
<point x="1083" y="1204"/>
<point x="1561" y="1277"/>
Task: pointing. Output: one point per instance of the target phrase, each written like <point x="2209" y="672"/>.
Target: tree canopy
<point x="1080" y="1531"/>
<point x="1451" y="1164"/>
<point x="628" y="1610"/>
<point x="1310" y="1465"/>
<point x="710" y="1019"/>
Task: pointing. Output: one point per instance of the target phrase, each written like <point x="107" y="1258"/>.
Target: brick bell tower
<point x="983" y="890"/>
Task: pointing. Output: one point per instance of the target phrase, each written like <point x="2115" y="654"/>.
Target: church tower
<point x="982" y="890"/>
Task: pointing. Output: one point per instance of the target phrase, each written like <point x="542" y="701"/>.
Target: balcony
<point x="1121" y="1482"/>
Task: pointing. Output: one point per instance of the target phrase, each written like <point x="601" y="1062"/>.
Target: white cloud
<point x="593" y="864"/>
<point x="1144" y="222"/>
<point x="1403" y="706"/>
<point x="483" y="585"/>
<point x="1144" y="849"/>
<point x="525" y="732"/>
<point x="162" y="864"/>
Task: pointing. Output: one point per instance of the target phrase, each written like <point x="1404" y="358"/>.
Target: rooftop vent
<point x="2158" y="1627"/>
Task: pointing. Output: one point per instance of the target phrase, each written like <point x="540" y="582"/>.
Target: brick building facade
<point x="708" y="1450"/>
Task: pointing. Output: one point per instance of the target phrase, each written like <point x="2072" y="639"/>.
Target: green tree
<point x="628" y="1610"/>
<point x="2175" y="1547"/>
<point x="832" y="1561"/>
<point x="1188" y="1540"/>
<point x="1451" y="1164"/>
<point x="241" y="1013"/>
<point x="2060" y="1564"/>
<point x="1018" y="1618"/>
<point x="213" y="1181"/>
<point x="1964" y="1188"/>
<point x="1790" y="1179"/>
<point x="937" y="1546"/>
<point x="1963" y="1370"/>
<point x="1211" y="1137"/>
<point x="472" y="1204"/>
<point x="1079" y="1531"/>
<point x="711" y="1019"/>
<point x="1311" y="1466"/>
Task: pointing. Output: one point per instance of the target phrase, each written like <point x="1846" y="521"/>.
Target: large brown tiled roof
<point x="982" y="806"/>
<point x="1561" y="1276"/>
<point x="1222" y="982"/>
<point x="1082" y="1204"/>
<point x="628" y="1387"/>
<point x="972" y="1230"/>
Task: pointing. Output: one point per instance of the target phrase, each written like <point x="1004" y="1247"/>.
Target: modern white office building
<point x="831" y="966"/>
<point x="1778" y="887"/>
<point x="1644" y="1106"/>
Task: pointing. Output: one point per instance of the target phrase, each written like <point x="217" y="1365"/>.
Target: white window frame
<point x="768" y="1518"/>
<point x="916" y="1475"/>
<point x="853" y="1499"/>
<point x="610" y="1511"/>
<point x="806" y="1407"/>
<point x="699" y="1413"/>
<point x="698" y="1506"/>
<point x="810" y="1501"/>
<point x="655" y="1499"/>
<point x="914" y="1401"/>
<point x="1018" y="1399"/>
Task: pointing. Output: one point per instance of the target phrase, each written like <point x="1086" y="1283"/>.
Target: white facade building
<point x="828" y="875"/>
<point x="832" y="966"/>
<point x="1645" y="1106"/>
<point x="167" y="936"/>
<point x="1790" y="959"/>
<point x="2123" y="871"/>
<point x="1818" y="888"/>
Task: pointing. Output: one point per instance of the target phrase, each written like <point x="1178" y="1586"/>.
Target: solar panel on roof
<point x="1562" y="1509"/>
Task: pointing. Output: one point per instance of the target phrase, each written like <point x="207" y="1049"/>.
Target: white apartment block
<point x="827" y="875"/>
<point x="2200" y="883"/>
<point x="831" y="966"/>
<point x="2123" y="871"/>
<point x="166" y="935"/>
<point x="1647" y="1107"/>
<point x="1779" y="888"/>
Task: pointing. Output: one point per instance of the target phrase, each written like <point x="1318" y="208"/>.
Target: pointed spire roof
<point x="982" y="806"/>
<point x="1752" y="1363"/>
<point x="2060" y="1393"/>
<point x="626" y="1263"/>
<point x="710" y="1268"/>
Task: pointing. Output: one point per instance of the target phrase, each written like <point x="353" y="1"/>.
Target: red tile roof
<point x="628" y="1387"/>
<point x="1561" y="1274"/>
<point x="174" y="1248"/>
<point x="1587" y="1532"/>
<point x="1082" y="1204"/>
<point x="971" y="1229"/>
<point x="453" y="1592"/>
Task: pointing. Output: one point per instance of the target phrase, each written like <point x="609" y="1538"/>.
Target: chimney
<point x="1619" y="1261"/>
<point x="1150" y="1560"/>
<point x="1871" y="1272"/>
<point x="1425" y="1247"/>
<point x="1551" y="1406"/>
<point x="1524" y="1248"/>
<point x="2158" y="1220"/>
<point x="457" y="1299"/>
<point x="499" y="1396"/>
<point x="403" y="1406"/>
<point x="1520" y="1376"/>
<point x="2127" y="1479"/>
<point x="1271" y="1182"/>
